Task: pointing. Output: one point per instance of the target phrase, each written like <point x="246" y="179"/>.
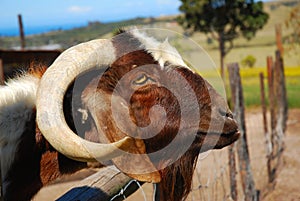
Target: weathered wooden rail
<point x="106" y="184"/>
<point x="14" y="60"/>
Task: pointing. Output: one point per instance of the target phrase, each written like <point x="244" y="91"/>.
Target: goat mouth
<point x="233" y="134"/>
<point x="213" y="140"/>
<point x="226" y="135"/>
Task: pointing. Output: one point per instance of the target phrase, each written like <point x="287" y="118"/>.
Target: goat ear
<point x="135" y="162"/>
<point x="138" y="165"/>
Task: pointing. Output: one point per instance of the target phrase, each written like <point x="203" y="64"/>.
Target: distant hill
<point x="67" y="38"/>
<point x="278" y="11"/>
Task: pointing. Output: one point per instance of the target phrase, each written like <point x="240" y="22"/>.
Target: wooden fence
<point x="237" y="100"/>
<point x="106" y="184"/>
<point x="278" y="114"/>
<point x="274" y="139"/>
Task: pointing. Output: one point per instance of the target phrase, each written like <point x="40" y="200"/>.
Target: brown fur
<point x="177" y="177"/>
<point x="36" y="164"/>
<point x="37" y="69"/>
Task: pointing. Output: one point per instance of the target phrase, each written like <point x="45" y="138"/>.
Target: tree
<point x="248" y="61"/>
<point x="224" y="20"/>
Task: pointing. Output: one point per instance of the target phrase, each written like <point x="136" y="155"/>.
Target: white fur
<point x="161" y="52"/>
<point x="17" y="100"/>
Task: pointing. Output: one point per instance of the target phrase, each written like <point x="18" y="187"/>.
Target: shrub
<point x="248" y="61"/>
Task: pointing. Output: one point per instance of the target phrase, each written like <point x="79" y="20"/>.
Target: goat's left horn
<point x="53" y="86"/>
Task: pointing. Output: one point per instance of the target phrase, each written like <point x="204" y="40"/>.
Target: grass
<point x="293" y="91"/>
<point x="251" y="86"/>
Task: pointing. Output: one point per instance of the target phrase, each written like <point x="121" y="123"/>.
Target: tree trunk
<point x="222" y="53"/>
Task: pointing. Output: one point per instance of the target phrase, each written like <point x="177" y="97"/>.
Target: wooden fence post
<point x="265" y="124"/>
<point x="263" y="102"/>
<point x="280" y="90"/>
<point x="242" y="147"/>
<point x="281" y="109"/>
<point x="279" y="38"/>
<point x="1" y="73"/>
<point x="107" y="184"/>
<point x="21" y="29"/>
<point x="232" y="172"/>
<point x="270" y="71"/>
<point x="278" y="110"/>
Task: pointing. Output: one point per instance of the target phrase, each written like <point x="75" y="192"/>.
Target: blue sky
<point x="66" y="12"/>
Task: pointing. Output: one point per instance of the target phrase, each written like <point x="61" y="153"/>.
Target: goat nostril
<point x="222" y="112"/>
<point x="229" y="115"/>
<point x="225" y="113"/>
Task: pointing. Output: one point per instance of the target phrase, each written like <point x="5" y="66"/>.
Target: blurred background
<point x="227" y="30"/>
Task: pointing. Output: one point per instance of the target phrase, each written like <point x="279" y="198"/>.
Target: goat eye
<point x="141" y="80"/>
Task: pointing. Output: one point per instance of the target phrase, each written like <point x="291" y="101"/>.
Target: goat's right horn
<point x="53" y="85"/>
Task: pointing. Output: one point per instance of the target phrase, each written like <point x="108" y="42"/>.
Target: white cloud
<point x="167" y="2"/>
<point x="79" y="9"/>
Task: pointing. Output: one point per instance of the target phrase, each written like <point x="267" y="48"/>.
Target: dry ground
<point x="212" y="169"/>
<point x="288" y="180"/>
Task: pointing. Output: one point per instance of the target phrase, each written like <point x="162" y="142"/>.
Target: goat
<point x="132" y="98"/>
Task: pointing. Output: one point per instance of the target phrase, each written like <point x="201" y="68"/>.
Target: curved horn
<point x="54" y="83"/>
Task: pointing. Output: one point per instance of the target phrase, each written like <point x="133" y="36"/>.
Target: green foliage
<point x="248" y="61"/>
<point x="229" y="17"/>
<point x="224" y="20"/>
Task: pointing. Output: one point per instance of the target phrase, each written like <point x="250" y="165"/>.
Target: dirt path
<point x="288" y="181"/>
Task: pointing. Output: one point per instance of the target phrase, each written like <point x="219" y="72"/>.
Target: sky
<point x="63" y="13"/>
<point x="45" y="15"/>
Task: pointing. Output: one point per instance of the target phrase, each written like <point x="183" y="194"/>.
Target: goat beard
<point x="177" y="178"/>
